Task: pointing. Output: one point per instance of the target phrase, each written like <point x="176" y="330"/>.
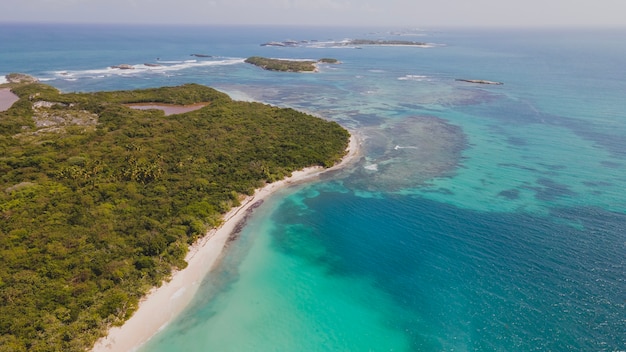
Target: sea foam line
<point x="418" y="78"/>
<point x="138" y="69"/>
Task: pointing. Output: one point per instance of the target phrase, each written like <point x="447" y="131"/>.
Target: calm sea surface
<point x="480" y="218"/>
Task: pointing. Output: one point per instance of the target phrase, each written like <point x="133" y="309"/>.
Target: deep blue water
<point x="506" y="281"/>
<point x="480" y="218"/>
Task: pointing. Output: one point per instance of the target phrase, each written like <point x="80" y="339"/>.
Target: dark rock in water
<point x="123" y="67"/>
<point x="201" y="55"/>
<point x="478" y="81"/>
<point x="273" y="44"/>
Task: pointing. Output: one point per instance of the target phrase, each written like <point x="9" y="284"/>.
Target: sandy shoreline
<point x="163" y="304"/>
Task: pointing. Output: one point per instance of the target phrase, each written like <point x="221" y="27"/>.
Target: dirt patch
<point x="7" y="98"/>
<point x="168" y="109"/>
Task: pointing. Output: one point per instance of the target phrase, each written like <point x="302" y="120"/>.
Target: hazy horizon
<point x="445" y="13"/>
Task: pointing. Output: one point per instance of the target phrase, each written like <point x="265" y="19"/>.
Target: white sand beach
<point x="164" y="303"/>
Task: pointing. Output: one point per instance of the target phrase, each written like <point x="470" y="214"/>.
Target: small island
<point x="478" y="81"/>
<point x="123" y="67"/>
<point x="286" y="65"/>
<point x="384" y="42"/>
<point x="100" y="202"/>
<point x="348" y="43"/>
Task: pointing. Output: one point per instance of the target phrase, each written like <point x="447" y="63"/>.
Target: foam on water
<point x="418" y="78"/>
<point x="163" y="68"/>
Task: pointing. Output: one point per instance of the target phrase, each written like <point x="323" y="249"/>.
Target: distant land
<point x="287" y="65"/>
<point x="347" y="43"/>
<point x="384" y="42"/>
<point x="478" y="81"/>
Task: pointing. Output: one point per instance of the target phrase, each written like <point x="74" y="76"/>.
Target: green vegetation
<point x="327" y="60"/>
<point x="99" y="202"/>
<point x="20" y="78"/>
<point x="282" y="65"/>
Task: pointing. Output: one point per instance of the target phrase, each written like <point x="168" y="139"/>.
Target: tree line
<point x="94" y="215"/>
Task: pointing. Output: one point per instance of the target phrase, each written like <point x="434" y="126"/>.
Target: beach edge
<point x="164" y="303"/>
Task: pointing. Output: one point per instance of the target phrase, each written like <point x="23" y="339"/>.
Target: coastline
<point x="164" y="303"/>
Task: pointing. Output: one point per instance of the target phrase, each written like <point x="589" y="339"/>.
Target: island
<point x="283" y="65"/>
<point x="347" y="43"/>
<point x="287" y="65"/>
<point x="100" y="202"/>
<point x="328" y="60"/>
<point x="384" y="42"/>
<point x="123" y="67"/>
<point x="478" y="81"/>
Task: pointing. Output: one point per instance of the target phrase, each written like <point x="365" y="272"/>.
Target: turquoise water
<point x="480" y="218"/>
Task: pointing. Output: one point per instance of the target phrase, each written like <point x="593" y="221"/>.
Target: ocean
<point x="479" y="218"/>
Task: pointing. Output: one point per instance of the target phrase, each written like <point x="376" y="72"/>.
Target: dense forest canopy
<point x="282" y="64"/>
<point x="99" y="202"/>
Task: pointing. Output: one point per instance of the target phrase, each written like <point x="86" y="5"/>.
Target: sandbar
<point x="7" y="98"/>
<point x="168" y="109"/>
<point x="164" y="303"/>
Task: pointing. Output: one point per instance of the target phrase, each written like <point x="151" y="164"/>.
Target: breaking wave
<point x="159" y="67"/>
<point x="419" y="78"/>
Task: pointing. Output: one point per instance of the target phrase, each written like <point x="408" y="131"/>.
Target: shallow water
<point x="480" y="218"/>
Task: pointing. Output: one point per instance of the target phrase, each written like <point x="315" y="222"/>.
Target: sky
<point x="421" y="13"/>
